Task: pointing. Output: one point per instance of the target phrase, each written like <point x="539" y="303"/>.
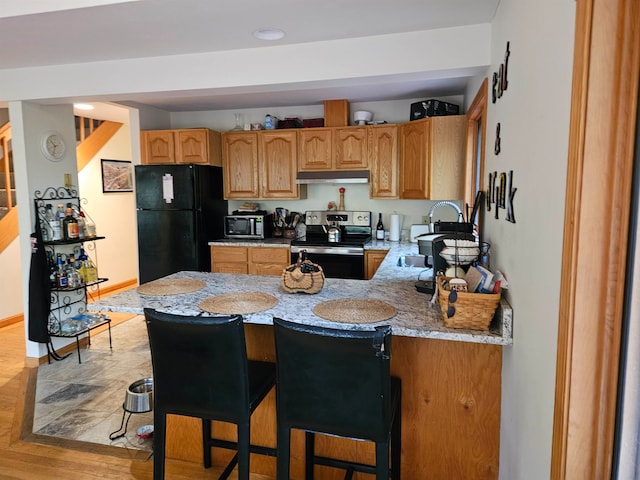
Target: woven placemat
<point x="173" y="286"/>
<point x="238" y="303"/>
<point x="355" y="310"/>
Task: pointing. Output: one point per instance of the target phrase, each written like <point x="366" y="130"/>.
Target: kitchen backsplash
<point x="356" y="197"/>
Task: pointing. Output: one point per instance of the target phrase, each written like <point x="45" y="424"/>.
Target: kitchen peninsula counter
<point x="416" y="315"/>
<point x="451" y="379"/>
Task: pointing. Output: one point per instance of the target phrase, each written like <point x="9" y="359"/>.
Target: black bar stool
<point x="337" y="382"/>
<point x="200" y="369"/>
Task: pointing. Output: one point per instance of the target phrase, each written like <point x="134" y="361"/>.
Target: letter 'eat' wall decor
<point x="500" y="192"/>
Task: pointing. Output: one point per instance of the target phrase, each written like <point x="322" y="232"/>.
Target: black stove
<point x="347" y="240"/>
<point x="355" y="229"/>
<point x="343" y="259"/>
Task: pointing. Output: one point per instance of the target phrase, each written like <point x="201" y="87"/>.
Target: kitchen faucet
<point x="441" y="204"/>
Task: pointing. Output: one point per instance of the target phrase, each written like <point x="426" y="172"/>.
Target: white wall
<point x="28" y="122"/>
<point x="113" y="213"/>
<point x="11" y="303"/>
<point x="534" y="115"/>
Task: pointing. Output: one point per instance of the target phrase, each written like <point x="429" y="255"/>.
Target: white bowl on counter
<point x="460" y="255"/>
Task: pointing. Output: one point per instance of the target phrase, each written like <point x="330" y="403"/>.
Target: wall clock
<point x="53" y="146"/>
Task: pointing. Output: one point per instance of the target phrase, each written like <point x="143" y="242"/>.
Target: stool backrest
<point x="333" y="381"/>
<point x="199" y="365"/>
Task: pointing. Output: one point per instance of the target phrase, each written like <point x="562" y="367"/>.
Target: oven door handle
<point x="353" y="251"/>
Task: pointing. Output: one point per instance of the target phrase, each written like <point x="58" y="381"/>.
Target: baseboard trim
<point x="5" y="322"/>
<point x="116" y="287"/>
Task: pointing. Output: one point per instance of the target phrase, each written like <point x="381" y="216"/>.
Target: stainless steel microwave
<point x="254" y="227"/>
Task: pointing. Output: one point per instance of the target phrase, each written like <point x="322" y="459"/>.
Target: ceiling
<point x="56" y="32"/>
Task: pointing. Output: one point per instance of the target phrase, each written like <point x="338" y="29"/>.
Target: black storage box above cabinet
<point x="432" y="108"/>
<point x="290" y="123"/>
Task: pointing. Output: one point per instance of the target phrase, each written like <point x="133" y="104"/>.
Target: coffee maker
<point x="440" y="265"/>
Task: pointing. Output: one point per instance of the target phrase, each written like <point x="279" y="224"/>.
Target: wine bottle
<point x="70" y="225"/>
<point x="380" y="228"/>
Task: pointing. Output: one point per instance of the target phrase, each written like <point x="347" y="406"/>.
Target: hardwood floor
<point x="25" y="459"/>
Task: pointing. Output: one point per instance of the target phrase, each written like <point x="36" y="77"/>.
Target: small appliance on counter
<point x="248" y="225"/>
<point x="431" y="247"/>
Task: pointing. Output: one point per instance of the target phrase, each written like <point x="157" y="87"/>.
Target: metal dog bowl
<point x="139" y="396"/>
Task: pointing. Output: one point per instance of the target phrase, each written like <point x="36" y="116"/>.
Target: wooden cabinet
<point x="253" y="260"/>
<point x="351" y="148"/>
<point x="372" y="260"/>
<point x="432" y="158"/>
<point x="226" y="259"/>
<point x="260" y="165"/>
<point x="278" y="161"/>
<point x="240" y="165"/>
<point x="268" y="260"/>
<point x="315" y="149"/>
<point x="338" y="148"/>
<point x="195" y="145"/>
<point x="383" y="161"/>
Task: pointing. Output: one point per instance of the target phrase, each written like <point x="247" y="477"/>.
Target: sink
<point x="411" y="261"/>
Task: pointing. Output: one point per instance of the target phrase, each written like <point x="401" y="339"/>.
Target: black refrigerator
<point x="180" y="208"/>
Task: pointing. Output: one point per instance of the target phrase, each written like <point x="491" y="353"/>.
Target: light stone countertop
<point x="416" y="315"/>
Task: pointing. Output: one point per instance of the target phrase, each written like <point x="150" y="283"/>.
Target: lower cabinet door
<point x="222" y="267"/>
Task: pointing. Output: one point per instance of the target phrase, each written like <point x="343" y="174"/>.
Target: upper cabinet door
<point x="383" y="161"/>
<point x="157" y="147"/>
<point x="240" y="165"/>
<point x="277" y="153"/>
<point x="192" y="146"/>
<point x="448" y="136"/>
<point x="432" y="158"/>
<point x="315" y="149"/>
<point x="414" y="159"/>
<point x="351" y="149"/>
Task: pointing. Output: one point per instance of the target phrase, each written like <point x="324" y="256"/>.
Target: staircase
<point x="7" y="180"/>
<point x="7" y="195"/>
<point x="91" y="135"/>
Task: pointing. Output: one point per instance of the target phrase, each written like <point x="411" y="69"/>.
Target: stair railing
<point x="6" y="167"/>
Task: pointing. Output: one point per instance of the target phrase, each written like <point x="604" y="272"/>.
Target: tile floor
<point x="84" y="401"/>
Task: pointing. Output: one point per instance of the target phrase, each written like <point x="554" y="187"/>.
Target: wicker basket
<point x="295" y="281"/>
<point x="472" y="310"/>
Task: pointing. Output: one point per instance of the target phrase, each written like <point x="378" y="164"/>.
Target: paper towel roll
<point x="394" y="228"/>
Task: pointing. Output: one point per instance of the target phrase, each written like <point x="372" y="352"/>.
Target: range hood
<point x="343" y="176"/>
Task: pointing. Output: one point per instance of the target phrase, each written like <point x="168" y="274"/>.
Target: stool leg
<point x="396" y="441"/>
<point x="382" y="460"/>
<point x="282" y="459"/>
<point x="159" y="435"/>
<point x="206" y="442"/>
<point x="309" y="453"/>
<point x="244" y="439"/>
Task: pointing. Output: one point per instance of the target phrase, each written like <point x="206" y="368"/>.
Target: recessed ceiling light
<point x="83" y="106"/>
<point x="268" y="33"/>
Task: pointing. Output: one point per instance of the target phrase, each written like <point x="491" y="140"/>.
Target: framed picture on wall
<point x="117" y="176"/>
